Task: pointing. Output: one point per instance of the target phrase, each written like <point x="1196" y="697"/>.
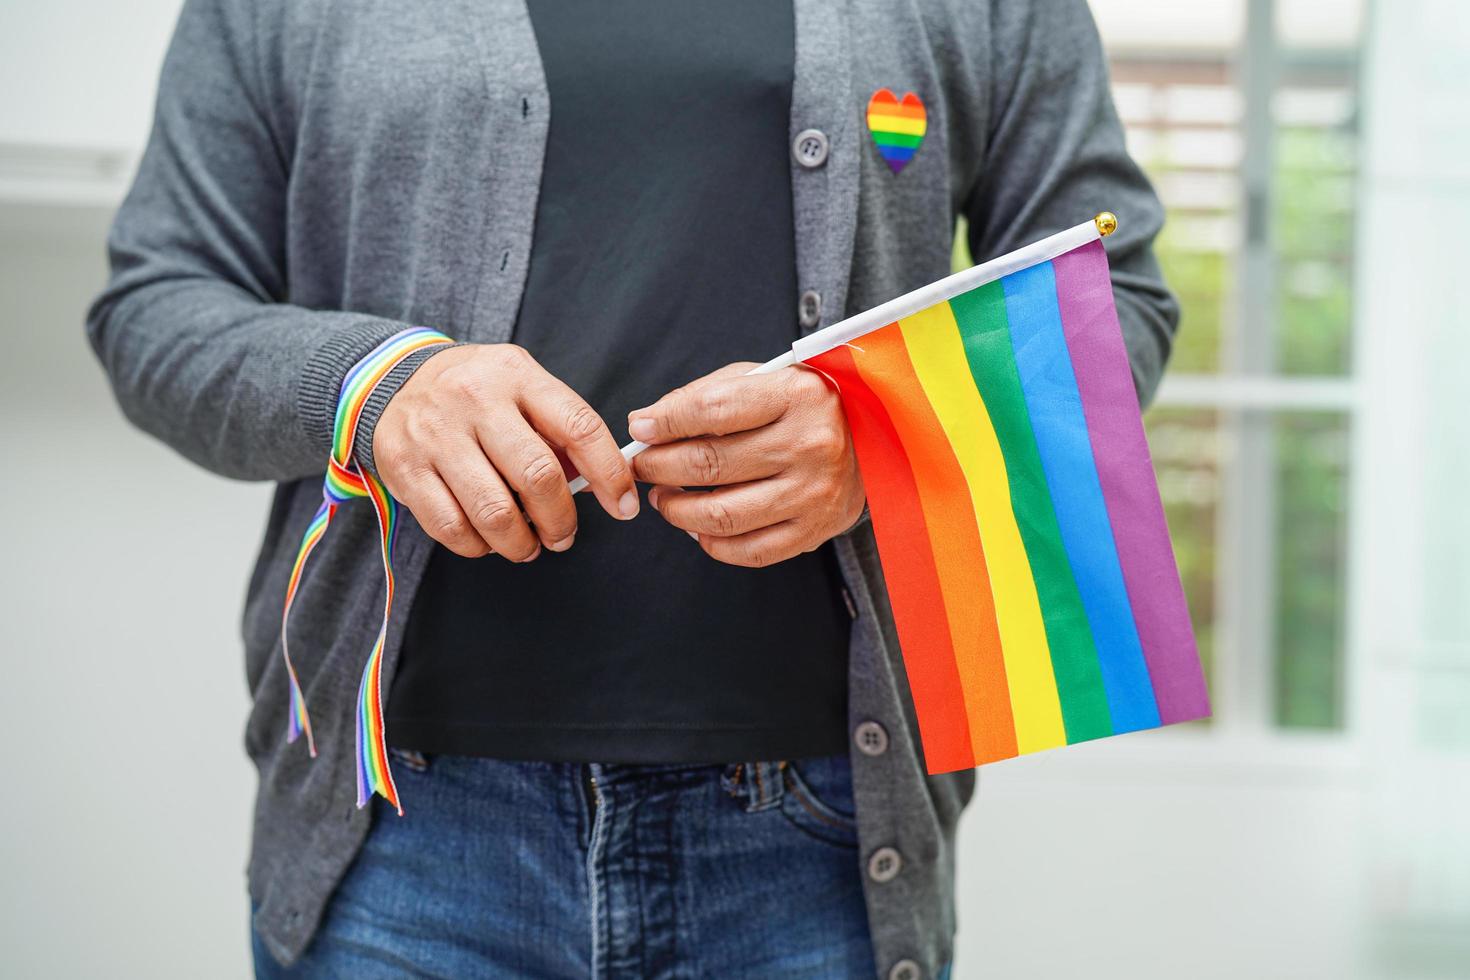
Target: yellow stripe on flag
<point x="938" y="355"/>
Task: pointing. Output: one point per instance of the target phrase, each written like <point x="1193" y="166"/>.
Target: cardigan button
<point x="810" y="148"/>
<point x="905" y="970"/>
<point x="871" y="738"/>
<point x="809" y="309"/>
<point x="885" y="864"/>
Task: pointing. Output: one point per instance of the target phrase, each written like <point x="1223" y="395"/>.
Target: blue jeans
<point x="515" y="869"/>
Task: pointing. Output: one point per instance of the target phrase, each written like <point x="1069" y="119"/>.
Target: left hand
<point x="775" y="449"/>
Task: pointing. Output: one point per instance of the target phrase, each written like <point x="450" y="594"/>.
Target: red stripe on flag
<point x="908" y="567"/>
<point x="954" y="536"/>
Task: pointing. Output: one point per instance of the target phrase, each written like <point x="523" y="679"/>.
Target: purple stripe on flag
<point x="1125" y="471"/>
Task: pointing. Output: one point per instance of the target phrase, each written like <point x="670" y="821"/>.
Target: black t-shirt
<point x="664" y="248"/>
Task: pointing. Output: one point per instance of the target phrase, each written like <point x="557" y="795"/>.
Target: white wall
<point x="1413" y="608"/>
<point x="1163" y="857"/>
<point x="124" y="823"/>
<point x="124" y="831"/>
<point x="80" y="72"/>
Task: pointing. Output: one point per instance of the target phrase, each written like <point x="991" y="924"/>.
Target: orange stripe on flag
<point x="937" y="354"/>
<point x="909" y="567"/>
<point x="944" y="493"/>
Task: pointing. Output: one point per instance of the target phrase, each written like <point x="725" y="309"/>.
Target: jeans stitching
<point x="809" y="806"/>
<point x="831" y="828"/>
<point x="596" y="847"/>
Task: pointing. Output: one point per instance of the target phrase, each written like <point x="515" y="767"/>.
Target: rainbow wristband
<point x="345" y="480"/>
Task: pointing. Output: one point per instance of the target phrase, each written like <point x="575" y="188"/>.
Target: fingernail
<point x="563" y="544"/>
<point x="653" y="497"/>
<point x="642" y="429"/>
<point x="532" y="557"/>
<point x="628" y="505"/>
<point x="693" y="535"/>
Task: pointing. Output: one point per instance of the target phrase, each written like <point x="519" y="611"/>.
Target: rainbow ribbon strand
<point x="345" y="480"/>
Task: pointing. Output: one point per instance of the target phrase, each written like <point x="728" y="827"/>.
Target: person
<point x="620" y="752"/>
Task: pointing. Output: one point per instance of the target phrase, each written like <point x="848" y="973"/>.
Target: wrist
<point x="377" y="402"/>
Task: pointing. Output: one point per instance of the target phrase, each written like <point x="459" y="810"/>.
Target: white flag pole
<point x="920" y="299"/>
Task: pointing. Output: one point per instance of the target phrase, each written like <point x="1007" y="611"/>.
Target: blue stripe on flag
<point x="1050" y="389"/>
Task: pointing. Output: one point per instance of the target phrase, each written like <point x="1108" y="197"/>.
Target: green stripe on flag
<point x="981" y="315"/>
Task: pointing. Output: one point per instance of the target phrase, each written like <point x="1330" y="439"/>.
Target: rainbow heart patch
<point x="898" y="127"/>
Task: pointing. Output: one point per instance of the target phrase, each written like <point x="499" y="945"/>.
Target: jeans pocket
<point x="818" y="799"/>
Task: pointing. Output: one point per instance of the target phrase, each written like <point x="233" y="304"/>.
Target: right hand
<point x="475" y="423"/>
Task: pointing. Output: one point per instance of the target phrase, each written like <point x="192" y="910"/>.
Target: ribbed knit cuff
<point x="321" y="377"/>
<point x="372" y="409"/>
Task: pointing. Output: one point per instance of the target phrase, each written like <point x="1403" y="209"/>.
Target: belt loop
<point x="765" y="784"/>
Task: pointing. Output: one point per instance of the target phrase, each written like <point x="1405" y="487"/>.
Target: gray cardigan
<point x="322" y="173"/>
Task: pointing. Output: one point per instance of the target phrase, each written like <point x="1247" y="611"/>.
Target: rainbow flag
<point x="1015" y="507"/>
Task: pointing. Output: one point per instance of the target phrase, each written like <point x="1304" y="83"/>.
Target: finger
<point x="727" y="511"/>
<point x="715" y="461"/>
<point x="434" y="506"/>
<point x="526" y="462"/>
<point x="735" y="370"/>
<point x="760" y="548"/>
<point x="715" y="407"/>
<point x="486" y="501"/>
<point x="560" y="415"/>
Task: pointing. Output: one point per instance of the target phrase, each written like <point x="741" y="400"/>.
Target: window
<point x="1248" y="126"/>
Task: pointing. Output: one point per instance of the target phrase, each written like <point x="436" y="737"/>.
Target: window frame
<point x="1246" y="393"/>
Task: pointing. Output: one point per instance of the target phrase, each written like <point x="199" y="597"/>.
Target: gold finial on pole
<point x="1107" y="223"/>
